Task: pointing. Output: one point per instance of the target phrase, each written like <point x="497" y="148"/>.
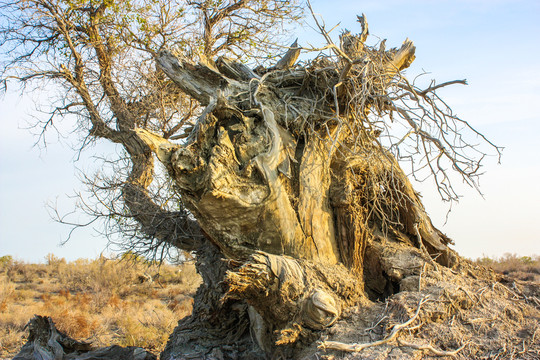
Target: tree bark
<point x="299" y="219"/>
<point x="218" y="327"/>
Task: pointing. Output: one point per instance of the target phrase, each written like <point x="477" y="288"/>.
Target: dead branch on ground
<point x="336" y="345"/>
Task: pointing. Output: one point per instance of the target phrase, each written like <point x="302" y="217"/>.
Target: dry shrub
<point x="182" y="307"/>
<point x="10" y="339"/>
<point x="27" y="274"/>
<point x="83" y="301"/>
<point x="150" y="327"/>
<point x="7" y="290"/>
<point x="77" y="324"/>
<point x="115" y="301"/>
<point x="54" y="263"/>
<point x="526" y="268"/>
<point x="103" y="300"/>
<point x="12" y="322"/>
<point x="101" y="275"/>
<point x="188" y="276"/>
<point x="5" y="262"/>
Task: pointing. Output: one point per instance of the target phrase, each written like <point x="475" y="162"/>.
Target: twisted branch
<point x="336" y="345"/>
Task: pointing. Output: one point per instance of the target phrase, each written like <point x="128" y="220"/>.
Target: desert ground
<point x="126" y="301"/>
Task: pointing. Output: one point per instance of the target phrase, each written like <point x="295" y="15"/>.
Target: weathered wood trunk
<point x="298" y="217"/>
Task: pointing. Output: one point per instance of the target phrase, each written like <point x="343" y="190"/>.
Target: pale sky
<point x="494" y="44"/>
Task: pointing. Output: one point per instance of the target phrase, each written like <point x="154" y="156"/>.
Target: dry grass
<point x="104" y="301"/>
<point x="526" y="268"/>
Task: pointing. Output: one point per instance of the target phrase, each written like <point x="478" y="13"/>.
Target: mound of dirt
<point x="465" y="313"/>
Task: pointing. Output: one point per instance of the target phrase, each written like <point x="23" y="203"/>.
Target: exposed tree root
<point x="431" y="349"/>
<point x="336" y="345"/>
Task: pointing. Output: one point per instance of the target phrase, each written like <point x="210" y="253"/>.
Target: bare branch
<point x="432" y="350"/>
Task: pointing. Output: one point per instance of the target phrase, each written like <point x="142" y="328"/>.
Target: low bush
<point x="105" y="301"/>
<point x="526" y="268"/>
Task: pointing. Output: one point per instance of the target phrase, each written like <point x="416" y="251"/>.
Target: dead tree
<point x="290" y="187"/>
<point x="293" y="176"/>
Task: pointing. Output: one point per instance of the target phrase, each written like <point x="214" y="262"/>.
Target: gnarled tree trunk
<point x="296" y="215"/>
<point x="292" y="195"/>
